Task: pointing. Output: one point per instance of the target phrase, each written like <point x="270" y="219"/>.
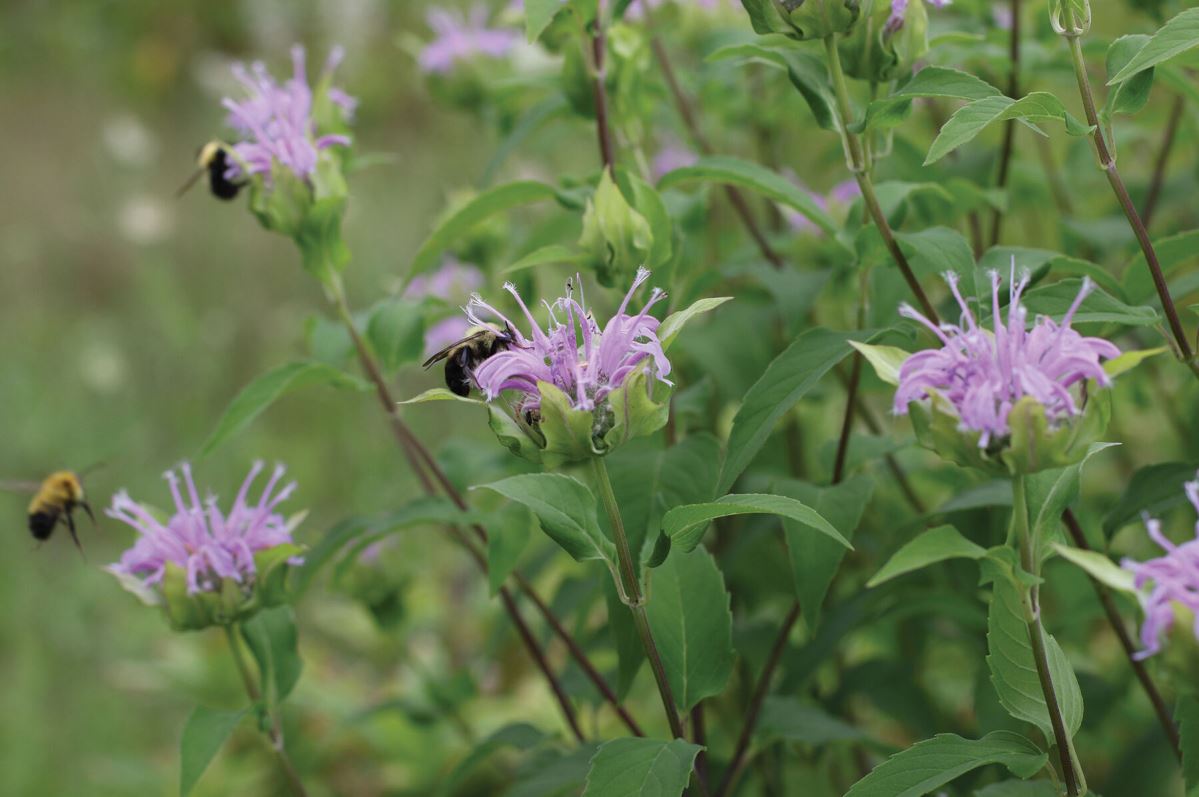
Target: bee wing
<point x="441" y="355"/>
<point x="190" y="182"/>
<point x="19" y="486"/>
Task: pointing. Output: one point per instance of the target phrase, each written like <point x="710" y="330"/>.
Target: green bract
<point x="616" y="238"/>
<point x="231" y="603"/>
<point x="802" y="19"/>
<point x="1031" y="446"/>
<point x="871" y="52"/>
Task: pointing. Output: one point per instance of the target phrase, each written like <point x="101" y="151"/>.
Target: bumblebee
<point x="213" y="158"/>
<point x="463" y="356"/>
<point x="54" y="501"/>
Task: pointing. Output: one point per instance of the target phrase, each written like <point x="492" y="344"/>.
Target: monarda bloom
<point x="206" y="567"/>
<point x="281" y="124"/>
<point x="459" y="39"/>
<point x="1019" y="398"/>
<point x="1169" y="584"/>
<point x="578" y="388"/>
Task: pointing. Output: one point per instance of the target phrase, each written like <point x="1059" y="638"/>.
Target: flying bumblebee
<point x="462" y="356"/>
<point x="214" y="159"/>
<point x="54" y="501"/>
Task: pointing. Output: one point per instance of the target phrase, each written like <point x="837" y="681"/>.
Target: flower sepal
<point x="640" y="407"/>
<point x="885" y="45"/>
<point x="569" y="434"/>
<point x="1033" y="445"/>
<point x="274" y="566"/>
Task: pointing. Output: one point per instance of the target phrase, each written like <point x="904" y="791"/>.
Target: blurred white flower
<point x="128" y="141"/>
<point x="145" y="219"/>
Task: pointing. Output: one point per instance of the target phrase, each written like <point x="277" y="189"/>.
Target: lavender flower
<point x="671" y="156"/>
<point x="582" y="360"/>
<point x="899" y="10"/>
<point x="459" y="38"/>
<point x="1175" y="579"/>
<point x="982" y="375"/>
<point x="277" y="121"/>
<point x="841" y="194"/>
<point x="208" y="545"/>
<point x="635" y="10"/>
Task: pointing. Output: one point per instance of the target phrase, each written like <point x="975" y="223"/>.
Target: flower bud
<point x="616" y="238"/>
<point x="887" y="41"/>
<point x="1070" y="17"/>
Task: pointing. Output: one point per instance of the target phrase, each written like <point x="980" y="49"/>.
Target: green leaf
<point x="205" y="733"/>
<point x="929" y="765"/>
<point x="674" y="323"/>
<point x="1099" y="567"/>
<point x="488" y="203"/>
<point x="746" y="174"/>
<point x="790" y="719"/>
<point x="1173" y="251"/>
<point x="518" y="735"/>
<point x="268" y="388"/>
<point x="1153" y="489"/>
<point x="546" y="255"/>
<point x="1050" y="492"/>
<point x="934" y="545"/>
<point x="1013" y="669"/>
<point x="938" y="250"/>
<point x="641" y="768"/>
<point x="1177" y="36"/>
<point x="508" y="536"/>
<point x="1129" y="96"/>
<point x="786" y="380"/>
<point x="1130" y="359"/>
<point x="566" y="510"/>
<point x="885" y="359"/>
<point x="396" y="331"/>
<point x="273" y="640"/>
<point x="972" y="119"/>
<point x="931" y="81"/>
<point x="1019" y="788"/>
<point x="689" y="615"/>
<point x="806" y="71"/>
<point x="538" y="15"/>
<point x="1099" y="307"/>
<point x="685" y="525"/>
<point x="815" y="557"/>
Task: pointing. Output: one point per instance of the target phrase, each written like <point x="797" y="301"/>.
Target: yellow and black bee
<point x="461" y="357"/>
<point x="54" y="501"/>
<point x="213" y="158"/>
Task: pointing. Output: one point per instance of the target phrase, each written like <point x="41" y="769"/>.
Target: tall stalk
<point x="275" y="729"/>
<point x="861" y="172"/>
<point x="629" y="587"/>
<point x="1009" y="130"/>
<point x="1108" y="163"/>
<point x="1030" y="601"/>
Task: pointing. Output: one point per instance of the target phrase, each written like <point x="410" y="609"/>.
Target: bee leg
<point x="88" y="508"/>
<point x="70" y="521"/>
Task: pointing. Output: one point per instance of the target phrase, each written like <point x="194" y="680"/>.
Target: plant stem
<point x="855" y="377"/>
<point x="861" y="172"/>
<point x="1163" y="157"/>
<point x="1009" y="131"/>
<point x="1113" y="177"/>
<point x="761" y="690"/>
<point x="687" y="114"/>
<point x="630" y="591"/>
<point x="603" y="127"/>
<point x="275" y="735"/>
<point x="419" y="459"/>
<point x="1117" y="623"/>
<point x="1036" y="633"/>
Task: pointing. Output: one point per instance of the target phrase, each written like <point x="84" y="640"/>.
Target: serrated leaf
<point x="273" y="640"/>
<point x="1128" y="96"/>
<point x="1177" y="36"/>
<point x="264" y="391"/>
<point x="1013" y="668"/>
<point x="641" y="768"/>
<point x="786" y="380"/>
<point x="670" y="328"/>
<point x="1099" y="567"/>
<point x="1050" y="492"/>
<point x="566" y="510"/>
<point x="934" y="545"/>
<point x="815" y="558"/>
<point x="688" y="608"/>
<point x="685" y="525"/>
<point x="486" y="204"/>
<point x="931" y="81"/>
<point x="1099" y="307"/>
<point x="746" y="174"/>
<point x="970" y="120"/>
<point x="929" y="765"/>
<point x="203" y="735"/>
